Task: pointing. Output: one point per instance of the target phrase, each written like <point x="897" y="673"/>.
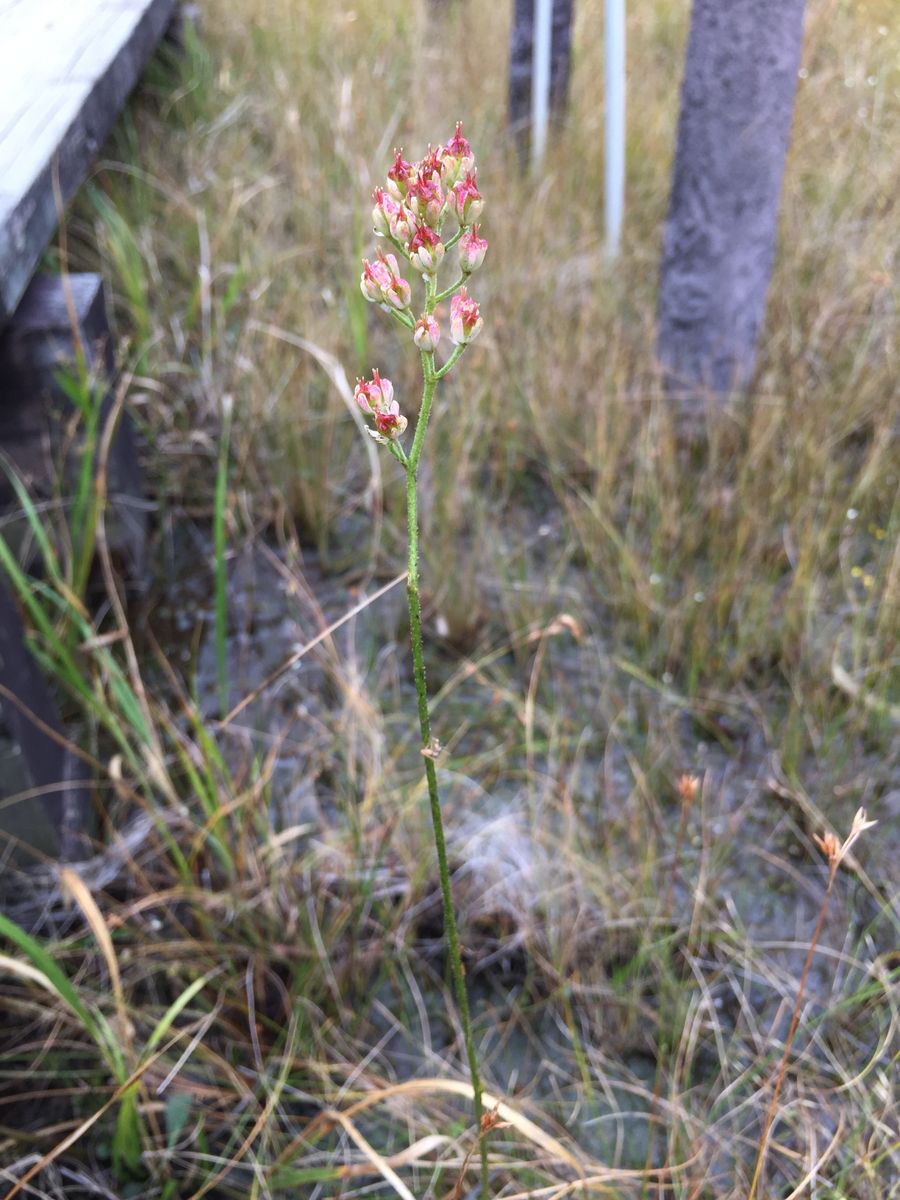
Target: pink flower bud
<point x="472" y="250"/>
<point x="388" y="262"/>
<point x="400" y="176"/>
<point x="361" y="395"/>
<point x="374" y="395"/>
<point x="467" y="201"/>
<point x="397" y="293"/>
<point x="375" y="278"/>
<point x="425" y="250"/>
<point x="466" y="321"/>
<point x="425" y="199"/>
<point x="457" y="159"/>
<point x="402" y="225"/>
<point x="381" y="283"/>
<point x="384" y="212"/>
<point x="427" y="333"/>
<point x="431" y="166"/>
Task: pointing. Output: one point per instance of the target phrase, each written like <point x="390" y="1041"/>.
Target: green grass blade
<point x="60" y="982"/>
<point x="177" y="1006"/>
<point x="220" y="540"/>
<point x="127" y="1148"/>
<point x="35" y="524"/>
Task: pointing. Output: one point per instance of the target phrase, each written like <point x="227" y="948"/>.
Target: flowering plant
<point x="411" y="212"/>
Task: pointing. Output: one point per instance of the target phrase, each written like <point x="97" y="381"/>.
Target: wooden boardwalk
<point x="66" y="68"/>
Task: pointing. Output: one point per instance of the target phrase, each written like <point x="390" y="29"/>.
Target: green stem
<point x="451" y="362"/>
<point x="415" y="629"/>
<point x="450" y="290"/>
<point x="405" y="318"/>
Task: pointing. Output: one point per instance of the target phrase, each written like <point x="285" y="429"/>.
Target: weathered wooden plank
<point x="55" y="41"/>
<point x="72" y="48"/>
<point x="83" y="59"/>
<point x="41" y="38"/>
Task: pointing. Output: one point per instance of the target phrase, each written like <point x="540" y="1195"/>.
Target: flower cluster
<point x="410" y="212"/>
<point x="376" y="397"/>
<point x="381" y="283"/>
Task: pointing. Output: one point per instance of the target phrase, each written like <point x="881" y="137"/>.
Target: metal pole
<point x="540" y="80"/>
<point x="615" y="123"/>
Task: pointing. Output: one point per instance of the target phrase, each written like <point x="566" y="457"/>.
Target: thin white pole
<point x="540" y="80"/>
<point x="615" y="123"/>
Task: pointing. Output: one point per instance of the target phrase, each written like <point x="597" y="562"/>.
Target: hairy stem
<point x="451" y="361"/>
<point x="405" y="318"/>
<point x="450" y="290"/>
<point x="415" y="629"/>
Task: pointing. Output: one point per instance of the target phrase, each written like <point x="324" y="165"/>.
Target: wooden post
<point x="737" y="100"/>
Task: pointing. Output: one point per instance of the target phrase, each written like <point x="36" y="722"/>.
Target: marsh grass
<point x="605" y="610"/>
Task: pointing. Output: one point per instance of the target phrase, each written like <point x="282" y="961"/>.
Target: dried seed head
<point x="491" y="1120"/>
<point x="859" y="826"/>
<point x="688" y="786"/>
<point x="833" y="849"/>
<point x="830" y="846"/>
<point x="433" y="750"/>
